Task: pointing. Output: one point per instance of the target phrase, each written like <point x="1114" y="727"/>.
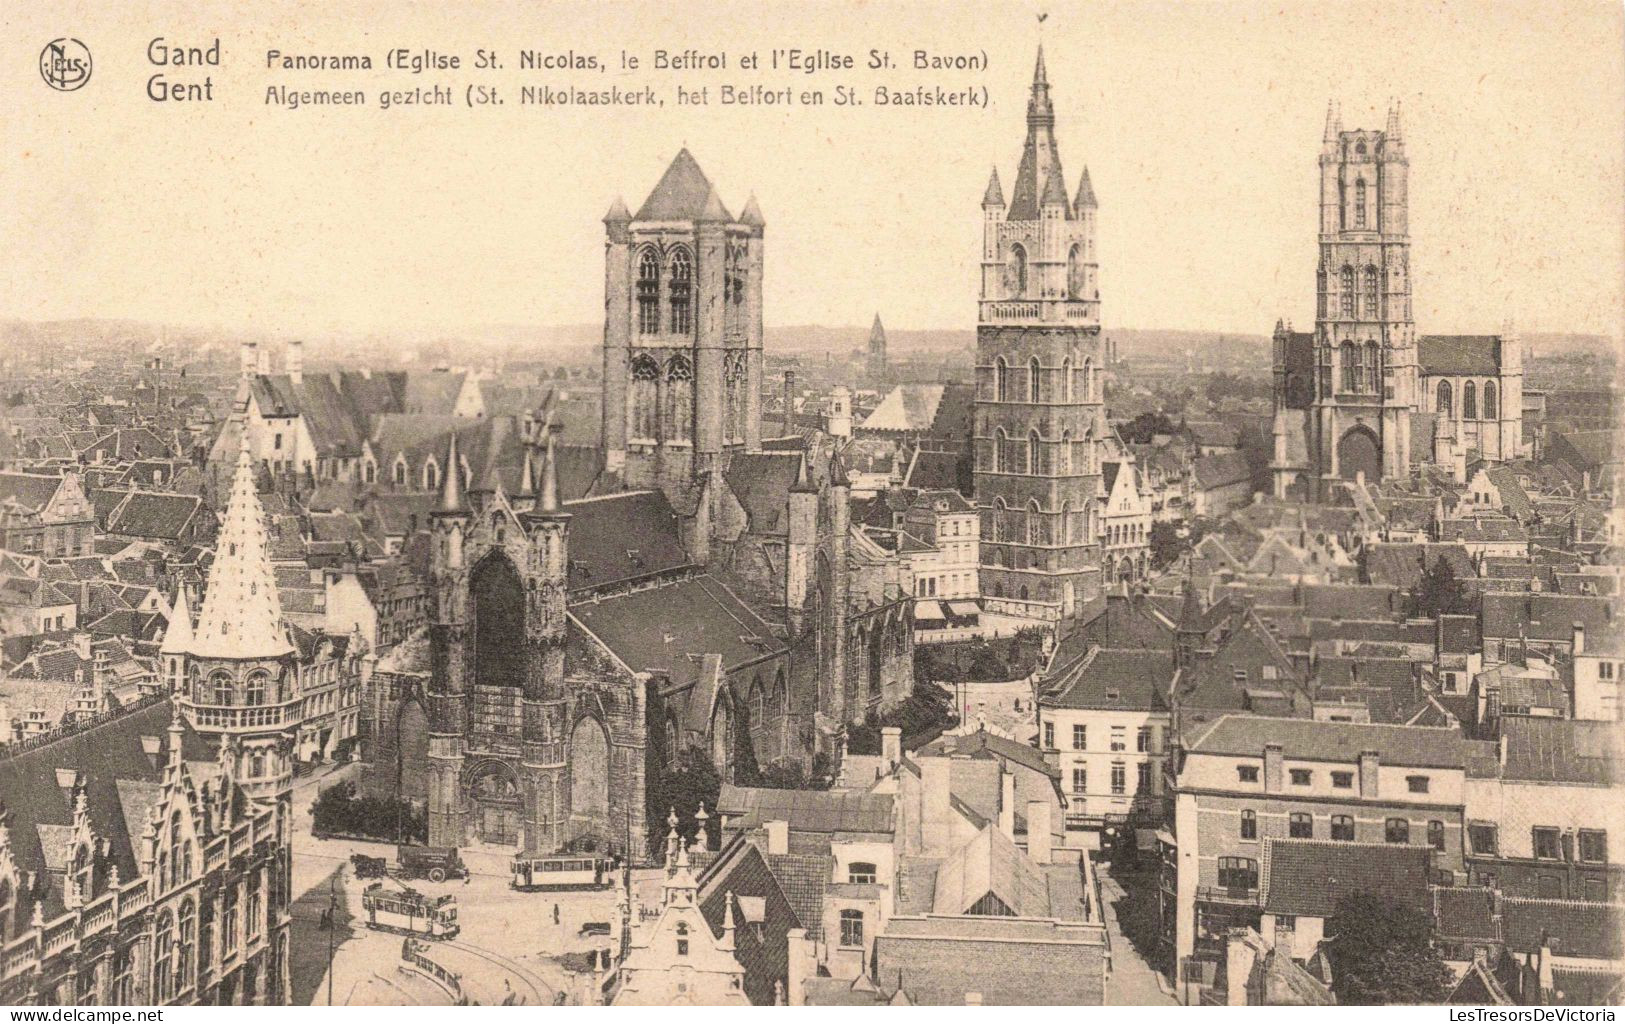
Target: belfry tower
<point x="1040" y="415"/>
<point x="1365" y="340"/>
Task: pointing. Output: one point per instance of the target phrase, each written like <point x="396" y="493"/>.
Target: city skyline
<point x="1201" y="215"/>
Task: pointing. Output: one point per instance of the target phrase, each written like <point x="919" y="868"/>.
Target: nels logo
<point x="65" y="64"/>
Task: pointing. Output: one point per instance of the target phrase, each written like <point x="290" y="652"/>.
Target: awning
<point x="928" y="610"/>
<point x="964" y="608"/>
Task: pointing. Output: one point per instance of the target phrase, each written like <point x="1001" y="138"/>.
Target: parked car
<point x="594" y="928"/>
<point x="436" y="863"/>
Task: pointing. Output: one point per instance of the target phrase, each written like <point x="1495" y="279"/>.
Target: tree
<point x="1438" y="592"/>
<point x="1382" y="951"/>
<point x="1166" y="545"/>
<point x="683" y="786"/>
<point x="1142" y="428"/>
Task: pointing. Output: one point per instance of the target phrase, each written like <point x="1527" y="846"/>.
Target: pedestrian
<point x="555" y="913"/>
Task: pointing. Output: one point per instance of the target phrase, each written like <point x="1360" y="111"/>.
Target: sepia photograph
<point x="817" y="503"/>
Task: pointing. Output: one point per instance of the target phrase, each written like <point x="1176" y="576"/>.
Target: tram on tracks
<point x="409" y="912"/>
<point x="545" y="874"/>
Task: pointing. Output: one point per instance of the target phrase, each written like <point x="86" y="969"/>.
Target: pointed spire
<point x="1054" y="191"/>
<point x="727" y="943"/>
<point x="178" y="634"/>
<point x="1332" y="126"/>
<point x="618" y="213"/>
<point x="994" y="196"/>
<point x="1393" y="134"/>
<point x="242" y="614"/>
<point x="451" y="483"/>
<point x="1086" y="191"/>
<point x="1039" y="77"/>
<point x="527" y="477"/>
<point x="752" y="214"/>
<point x="1190" y="613"/>
<point x="803" y="484"/>
<point x="547" y="497"/>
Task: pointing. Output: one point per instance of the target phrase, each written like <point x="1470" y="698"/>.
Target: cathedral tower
<point x="1365" y="339"/>
<point x="1040" y="416"/>
<point x="682" y="331"/>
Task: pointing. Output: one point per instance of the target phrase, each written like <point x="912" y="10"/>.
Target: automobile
<point x="594" y="928"/>
<point x="436" y="863"/>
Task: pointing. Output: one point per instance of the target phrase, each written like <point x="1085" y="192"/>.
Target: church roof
<point x="1459" y="354"/>
<point x="683" y="193"/>
<point x="241" y="616"/>
<point x="994" y="196"/>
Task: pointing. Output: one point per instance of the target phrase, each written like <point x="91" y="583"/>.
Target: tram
<point x="537" y="874"/>
<point x="409" y="912"/>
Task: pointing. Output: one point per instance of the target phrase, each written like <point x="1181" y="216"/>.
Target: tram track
<point x="541" y="990"/>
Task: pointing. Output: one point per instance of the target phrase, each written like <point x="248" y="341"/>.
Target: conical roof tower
<point x="242" y="615"/>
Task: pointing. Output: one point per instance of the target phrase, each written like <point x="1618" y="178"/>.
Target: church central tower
<point x="1365" y="339"/>
<point x="1040" y="415"/>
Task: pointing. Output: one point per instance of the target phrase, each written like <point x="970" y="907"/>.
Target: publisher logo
<point x="65" y="64"/>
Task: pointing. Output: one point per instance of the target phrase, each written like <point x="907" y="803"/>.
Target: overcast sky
<point x="1200" y="124"/>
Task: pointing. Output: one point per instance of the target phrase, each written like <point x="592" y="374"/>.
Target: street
<point x="508" y="946"/>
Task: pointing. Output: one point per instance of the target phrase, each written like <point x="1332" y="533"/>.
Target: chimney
<point x="936" y="808"/>
<point x="798" y="966"/>
<point x="1370" y="764"/>
<point x="81" y="645"/>
<point x="296" y="361"/>
<point x="67" y="778"/>
<point x="1274" y="767"/>
<point x="1038" y="834"/>
<point x="789" y="402"/>
<point x="778" y="836"/>
<point x="891" y="746"/>
<point x="1238" y="966"/>
<point x="1579" y="638"/>
<point x="1007" y="804"/>
<point x="248" y="361"/>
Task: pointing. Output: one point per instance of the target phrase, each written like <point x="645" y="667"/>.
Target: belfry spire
<point x="242" y="615"/>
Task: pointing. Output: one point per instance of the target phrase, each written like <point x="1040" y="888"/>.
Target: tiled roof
<point x="1112" y="679"/>
<point x="807" y="810"/>
<point x="1411" y="746"/>
<point x="1402" y="565"/>
<point x="1574" y="928"/>
<point x="1544" y="616"/>
<point x="683" y="193"/>
<point x="1307" y="877"/>
<point x="1224" y="469"/>
<point x="1562" y="750"/>
<point x="909" y="408"/>
<point x="762" y="481"/>
<point x="1455" y="355"/>
<point x="664" y="628"/>
<point x="1467" y="913"/>
<point x="622" y="537"/>
<point x="1482" y="531"/>
<point x="155" y="516"/>
<point x="1008" y="963"/>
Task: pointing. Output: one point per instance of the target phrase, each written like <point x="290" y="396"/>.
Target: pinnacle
<point x="994" y="196"/>
<point x="451" y="487"/>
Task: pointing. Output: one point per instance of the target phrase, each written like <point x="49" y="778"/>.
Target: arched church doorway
<point x="1359" y="453"/>
<point x="499" y="622"/>
<point x="494" y="793"/>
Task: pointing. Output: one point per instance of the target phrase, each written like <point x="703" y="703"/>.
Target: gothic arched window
<point x="733" y="406"/>
<point x="1035" y="524"/>
<point x="1320" y="293"/>
<point x="1035" y="379"/>
<point x="1469" y="402"/>
<point x="648" y="292"/>
<point x="679" y="424"/>
<point x="682" y="291"/>
<point x="1064" y="454"/>
<point x="641" y="405"/>
<point x="1001" y="379"/>
<point x="163" y="959"/>
<point x="431" y="475"/>
<point x="1065" y="524"/>
<point x="1087" y="380"/>
<point x="254" y="690"/>
<point x="1489" y="400"/>
<point x="1017" y="282"/>
<point x="400" y="471"/>
<point x="1372" y="294"/>
<point x="1345" y="285"/>
<point x="186" y="943"/>
<point x="1064" y="392"/>
<point x="1351" y="370"/>
<point x="1000" y="530"/>
<point x="220" y="685"/>
<point x="1443" y="405"/>
<point x="998" y="450"/>
<point x="1034" y="465"/>
<point x="1359" y="203"/>
<point x="1074" y="273"/>
<point x="1373" y="368"/>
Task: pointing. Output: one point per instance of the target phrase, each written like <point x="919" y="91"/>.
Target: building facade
<point x="1039" y="416"/>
